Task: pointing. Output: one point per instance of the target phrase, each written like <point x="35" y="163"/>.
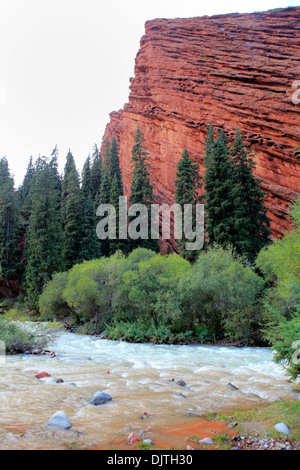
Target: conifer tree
<point x="43" y="247"/>
<point x="96" y="165"/>
<point x="104" y="193"/>
<point x="54" y="167"/>
<point x="255" y="225"/>
<point x="187" y="187"/>
<point x="86" y="179"/>
<point x="104" y="198"/>
<point x="10" y="228"/>
<point x="222" y="203"/>
<point x="90" y="246"/>
<point x="141" y="188"/>
<point x="25" y="190"/>
<point x="115" y="169"/>
<point x="71" y="211"/>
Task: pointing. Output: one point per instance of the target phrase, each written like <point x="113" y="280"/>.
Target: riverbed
<point x="142" y="380"/>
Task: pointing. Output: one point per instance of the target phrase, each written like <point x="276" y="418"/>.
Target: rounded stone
<point x="100" y="398"/>
<point x="59" y="420"/>
<point x="281" y="427"/>
<point x="181" y="383"/>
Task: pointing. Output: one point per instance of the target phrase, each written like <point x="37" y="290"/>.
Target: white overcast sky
<point x="65" y="65"/>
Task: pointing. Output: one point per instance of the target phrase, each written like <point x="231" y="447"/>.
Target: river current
<point x="140" y="378"/>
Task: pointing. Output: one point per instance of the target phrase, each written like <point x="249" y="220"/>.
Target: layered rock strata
<point x="235" y="70"/>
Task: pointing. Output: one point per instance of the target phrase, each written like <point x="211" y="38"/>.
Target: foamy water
<point x="139" y="377"/>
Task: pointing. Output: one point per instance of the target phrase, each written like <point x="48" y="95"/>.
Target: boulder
<point x="100" y="398"/>
<point x="281" y="427"/>
<point x="59" y="420"/>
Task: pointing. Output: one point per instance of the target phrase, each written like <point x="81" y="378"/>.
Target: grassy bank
<point x="259" y="422"/>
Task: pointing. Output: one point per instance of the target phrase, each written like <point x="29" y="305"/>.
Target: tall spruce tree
<point x="86" y="179"/>
<point x="104" y="198"/>
<point x="10" y="228"/>
<point x="71" y="211"/>
<point x="96" y="165"/>
<point x="116" y="191"/>
<point x="90" y="246"/>
<point x="115" y="169"/>
<point x="222" y="196"/>
<point x="187" y="187"/>
<point x="141" y="189"/>
<point x="25" y="190"/>
<point x="43" y="246"/>
<point x="255" y="225"/>
<point x="54" y="167"/>
<point x="104" y="192"/>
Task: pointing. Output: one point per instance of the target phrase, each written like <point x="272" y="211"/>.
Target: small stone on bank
<point x="281" y="427"/>
<point x="206" y="440"/>
<point x="149" y="442"/>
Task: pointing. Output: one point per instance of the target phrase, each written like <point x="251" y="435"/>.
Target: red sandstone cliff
<point x="234" y="70"/>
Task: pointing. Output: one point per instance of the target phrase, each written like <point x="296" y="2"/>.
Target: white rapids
<point x="139" y="377"/>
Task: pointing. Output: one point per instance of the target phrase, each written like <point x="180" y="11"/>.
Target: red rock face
<point x="236" y="70"/>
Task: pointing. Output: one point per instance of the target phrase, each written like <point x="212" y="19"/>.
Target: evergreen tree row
<point x="235" y="213"/>
<point x="56" y="215"/>
<point x="234" y="203"/>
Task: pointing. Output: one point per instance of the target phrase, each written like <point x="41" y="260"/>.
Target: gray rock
<point x="59" y="420"/>
<point x="181" y="383"/>
<point x="100" y="398"/>
<point x="281" y="427"/>
<point x="149" y="442"/>
<point x="297" y="397"/>
<point x="206" y="440"/>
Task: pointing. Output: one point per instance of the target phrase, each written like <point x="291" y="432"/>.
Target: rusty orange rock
<point x="42" y="375"/>
<point x="234" y="70"/>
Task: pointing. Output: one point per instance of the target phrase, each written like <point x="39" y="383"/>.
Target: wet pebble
<point x="149" y="442"/>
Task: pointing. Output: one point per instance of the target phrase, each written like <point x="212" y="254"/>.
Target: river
<point x="140" y="378"/>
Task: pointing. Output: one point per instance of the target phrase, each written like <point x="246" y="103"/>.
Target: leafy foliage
<point x="280" y="265"/>
<point x="218" y="286"/>
<point x="17" y="340"/>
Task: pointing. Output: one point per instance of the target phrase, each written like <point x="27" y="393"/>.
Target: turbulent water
<point x="139" y="377"/>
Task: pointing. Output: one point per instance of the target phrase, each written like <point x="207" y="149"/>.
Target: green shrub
<point x="17" y="340"/>
<point x="152" y="290"/>
<point x="93" y="289"/>
<point x="280" y="265"/>
<point x="52" y="303"/>
<point x="141" y="333"/>
<point x="218" y="286"/>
